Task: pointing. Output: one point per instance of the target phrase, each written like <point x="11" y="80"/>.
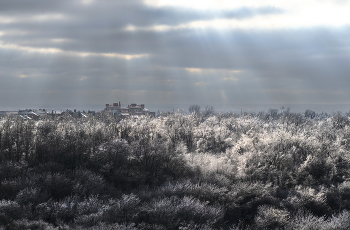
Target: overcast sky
<point x="86" y="53"/>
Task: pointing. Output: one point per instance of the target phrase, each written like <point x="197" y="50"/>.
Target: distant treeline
<point x="267" y="170"/>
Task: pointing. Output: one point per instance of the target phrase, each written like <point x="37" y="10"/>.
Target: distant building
<point x="41" y="112"/>
<point x="33" y="115"/>
<point x="75" y="113"/>
<point x="132" y="110"/>
<point x="117" y="110"/>
<point x="135" y="109"/>
<point x="29" y="114"/>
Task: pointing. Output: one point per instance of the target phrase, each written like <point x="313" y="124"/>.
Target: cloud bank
<point x="86" y="53"/>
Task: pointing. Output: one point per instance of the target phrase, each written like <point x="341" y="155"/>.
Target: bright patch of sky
<point x="297" y="13"/>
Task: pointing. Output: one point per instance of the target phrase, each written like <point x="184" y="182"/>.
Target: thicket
<point x="269" y="170"/>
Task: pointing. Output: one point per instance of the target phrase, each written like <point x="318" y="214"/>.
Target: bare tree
<point x="194" y="109"/>
<point x="208" y="111"/>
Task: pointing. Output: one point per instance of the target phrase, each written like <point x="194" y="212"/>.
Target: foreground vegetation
<point x="270" y="170"/>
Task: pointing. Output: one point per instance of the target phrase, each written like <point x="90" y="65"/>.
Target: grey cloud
<point x="121" y="13"/>
<point x="275" y="65"/>
<point x="34" y="6"/>
<point x="99" y="27"/>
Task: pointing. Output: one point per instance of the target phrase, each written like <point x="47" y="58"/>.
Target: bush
<point x="310" y="199"/>
<point x="339" y="121"/>
<point x="172" y="212"/>
<point x="116" y="226"/>
<point x="245" y="198"/>
<point x="9" y="211"/>
<point x="89" y="220"/>
<point x="306" y="221"/>
<point x="63" y="211"/>
<point x="125" y="210"/>
<point x="31" y="196"/>
<point x="92" y="211"/>
<point x="10" y="170"/>
<point x="315" y="170"/>
<point x="30" y="224"/>
<point x="10" y="188"/>
<point x="340" y="221"/>
<point x="58" y="185"/>
<point x="269" y="217"/>
<point x="204" y="191"/>
<point x="87" y="183"/>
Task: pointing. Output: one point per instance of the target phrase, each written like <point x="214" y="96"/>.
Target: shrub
<point x="341" y="165"/>
<point x="9" y="211"/>
<point x="269" y="217"/>
<point x="172" y="212"/>
<point x="124" y="210"/>
<point x="116" y="226"/>
<point x="146" y="226"/>
<point x="31" y="195"/>
<point x="89" y="220"/>
<point x="340" y="221"/>
<point x="310" y="199"/>
<point x="89" y="212"/>
<point x="58" y="185"/>
<point x="91" y="205"/>
<point x="10" y="170"/>
<point x="87" y="183"/>
<point x="110" y="160"/>
<point x="63" y="211"/>
<point x="306" y="221"/>
<point x="10" y="188"/>
<point x="339" y="121"/>
<point x="92" y="211"/>
<point x="344" y="193"/>
<point x="30" y="224"/>
<point x="315" y="170"/>
<point x="245" y="198"/>
<point x="203" y="191"/>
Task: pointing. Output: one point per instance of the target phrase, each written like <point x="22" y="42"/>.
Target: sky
<point x="87" y="53"/>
